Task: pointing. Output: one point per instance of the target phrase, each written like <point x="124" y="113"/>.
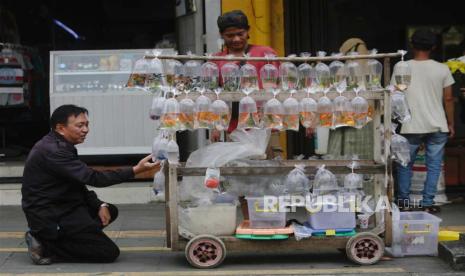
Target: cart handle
<point x="426" y="231"/>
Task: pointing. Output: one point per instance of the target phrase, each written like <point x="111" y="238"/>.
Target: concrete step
<point x="125" y="193"/>
<point x="11" y="169"/>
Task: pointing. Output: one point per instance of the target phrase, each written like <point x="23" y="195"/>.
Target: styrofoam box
<point x="217" y="219"/>
<point x="262" y="218"/>
<point x="330" y="216"/>
<point x="415" y="233"/>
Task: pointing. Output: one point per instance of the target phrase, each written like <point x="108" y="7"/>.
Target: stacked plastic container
<point x="414" y="233"/>
<point x="263" y="216"/>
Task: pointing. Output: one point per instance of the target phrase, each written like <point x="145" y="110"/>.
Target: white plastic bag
<point x="247" y="144"/>
<point x="158" y="104"/>
<point x="400" y="108"/>
<point x="353" y="182"/>
<point x="159" y="147"/>
<point x="400" y="149"/>
<point x="159" y="180"/>
<point x="296" y="181"/>
<point x="172" y="150"/>
<point x="325" y="182"/>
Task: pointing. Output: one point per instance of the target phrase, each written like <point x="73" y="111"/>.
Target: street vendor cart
<point x="365" y="247"/>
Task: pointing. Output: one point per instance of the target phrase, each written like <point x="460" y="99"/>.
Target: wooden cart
<point x="367" y="247"/>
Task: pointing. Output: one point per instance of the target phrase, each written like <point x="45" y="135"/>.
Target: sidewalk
<point x="139" y="231"/>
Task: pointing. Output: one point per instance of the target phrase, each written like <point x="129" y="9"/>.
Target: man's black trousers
<point x="84" y="247"/>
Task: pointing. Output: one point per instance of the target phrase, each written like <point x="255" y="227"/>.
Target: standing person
<point x="65" y="218"/>
<point x="432" y="107"/>
<point x="234" y="30"/>
<point x="349" y="141"/>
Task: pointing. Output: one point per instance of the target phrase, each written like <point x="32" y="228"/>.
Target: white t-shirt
<point x="425" y="96"/>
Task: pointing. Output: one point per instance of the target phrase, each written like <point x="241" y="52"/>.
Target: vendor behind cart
<point x="234" y="30"/>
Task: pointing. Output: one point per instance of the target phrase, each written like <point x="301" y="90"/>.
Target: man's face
<point x="235" y="38"/>
<point x="75" y="131"/>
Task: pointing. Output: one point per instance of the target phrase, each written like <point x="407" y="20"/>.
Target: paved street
<point x="139" y="231"/>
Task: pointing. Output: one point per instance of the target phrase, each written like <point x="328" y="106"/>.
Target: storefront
<point x="29" y="31"/>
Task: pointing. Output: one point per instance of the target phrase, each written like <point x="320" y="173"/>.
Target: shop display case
<point x="100" y="80"/>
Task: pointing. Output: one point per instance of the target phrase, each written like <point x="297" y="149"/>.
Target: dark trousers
<point x="85" y="247"/>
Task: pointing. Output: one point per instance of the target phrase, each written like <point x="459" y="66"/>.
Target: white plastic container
<point x="414" y="233"/>
<point x="331" y="216"/>
<point x="264" y="218"/>
<point x="217" y="219"/>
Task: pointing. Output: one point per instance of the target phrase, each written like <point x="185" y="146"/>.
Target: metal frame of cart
<point x="367" y="247"/>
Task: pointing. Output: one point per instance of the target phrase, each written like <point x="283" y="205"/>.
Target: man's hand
<point x="451" y="131"/>
<point x="145" y="164"/>
<point x="104" y="215"/>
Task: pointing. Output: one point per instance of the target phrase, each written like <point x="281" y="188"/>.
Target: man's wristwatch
<point x="104" y="205"/>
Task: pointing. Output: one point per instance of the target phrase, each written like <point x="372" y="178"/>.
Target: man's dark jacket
<point x="55" y="200"/>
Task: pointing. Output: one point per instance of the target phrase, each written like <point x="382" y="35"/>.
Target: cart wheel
<point x="205" y="251"/>
<point x="365" y="248"/>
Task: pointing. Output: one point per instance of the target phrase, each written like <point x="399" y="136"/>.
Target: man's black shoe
<point x="35" y="250"/>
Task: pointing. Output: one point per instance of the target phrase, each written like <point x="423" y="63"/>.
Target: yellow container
<point x="445" y="235"/>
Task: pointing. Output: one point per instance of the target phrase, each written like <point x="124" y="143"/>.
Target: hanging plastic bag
<point x="307" y="75"/>
<point x="159" y="147"/>
<point x="291" y="114"/>
<point x="186" y="114"/>
<point x="296" y="181"/>
<point x="158" y="104"/>
<point x="308" y="112"/>
<point x="400" y="149"/>
<point x="175" y="79"/>
<point x="353" y="182"/>
<point x="374" y="72"/>
<point x="400" y="108"/>
<point x="289" y="76"/>
<point x="209" y="75"/>
<point x="203" y="115"/>
<point x="138" y="74"/>
<point x="322" y="73"/>
<point x="402" y="73"/>
<point x="212" y="178"/>
<point x="273" y="114"/>
<point x="155" y="80"/>
<point x="192" y="71"/>
<point x="248" y="114"/>
<point x="220" y="112"/>
<point x="269" y="77"/>
<point x="325" y="111"/>
<point x="325" y="182"/>
<point x="170" y="118"/>
<point x="172" y="150"/>
<point x="343" y="112"/>
<point x="231" y="76"/>
<point x="360" y="108"/>
<point x="159" y="180"/>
